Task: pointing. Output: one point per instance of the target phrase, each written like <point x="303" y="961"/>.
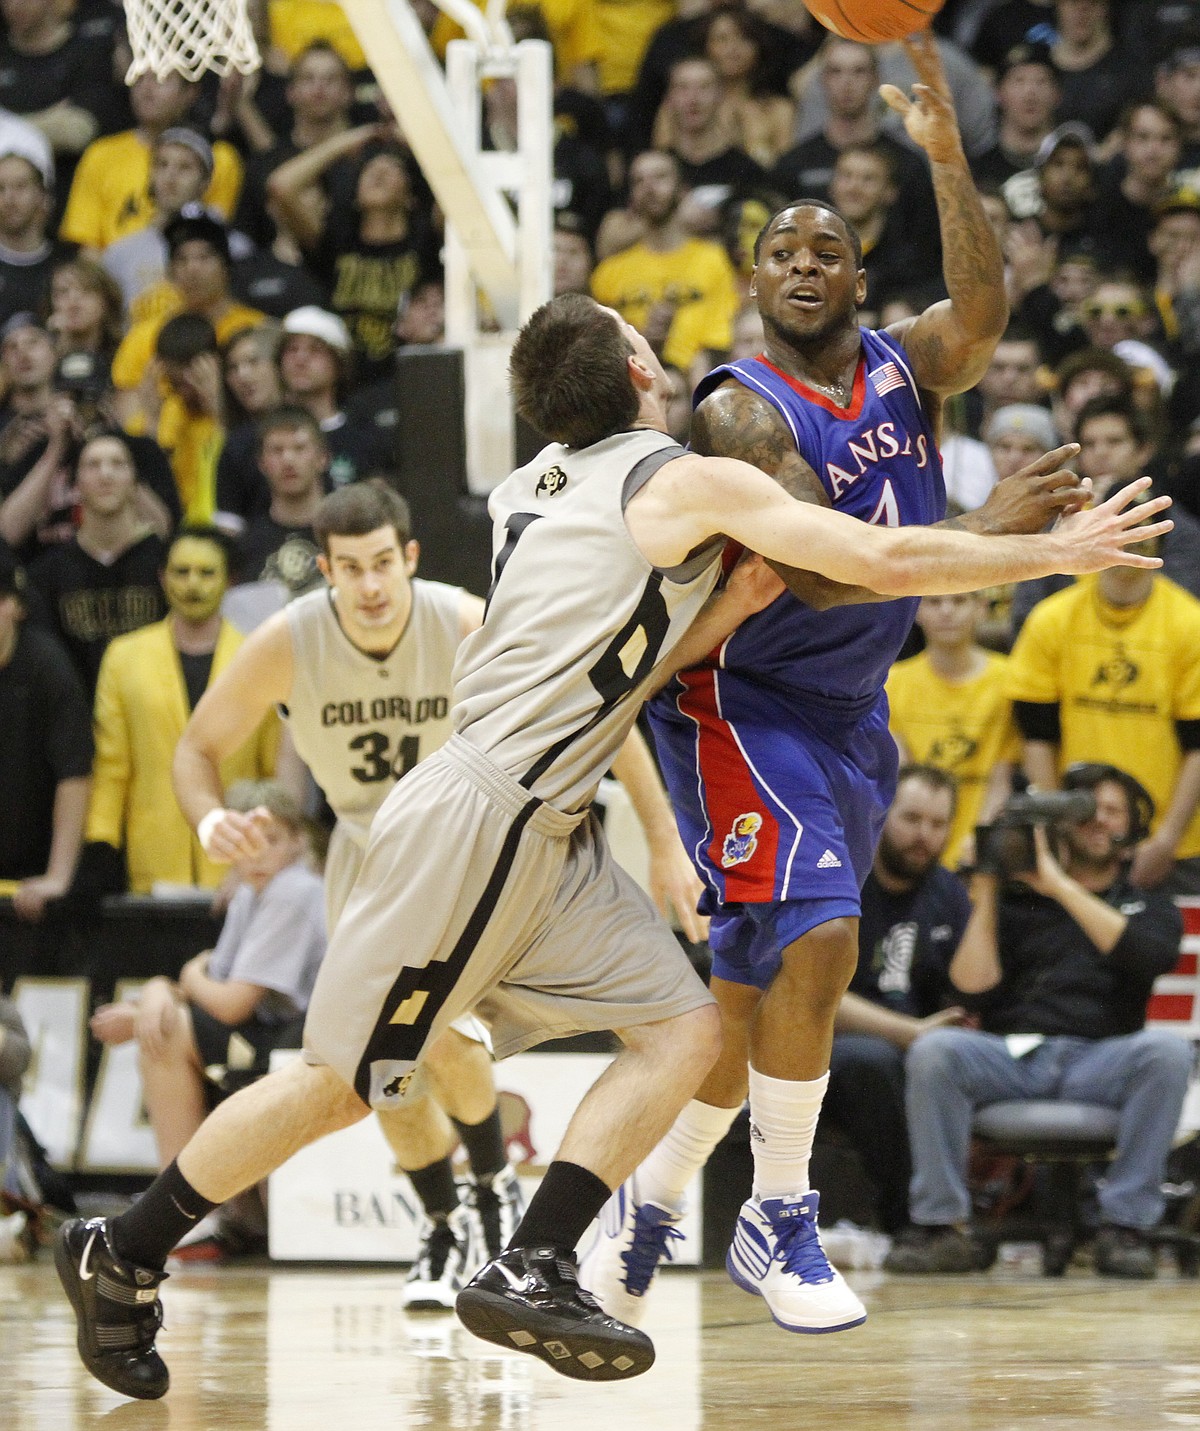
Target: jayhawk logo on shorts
<point x="742" y="840"/>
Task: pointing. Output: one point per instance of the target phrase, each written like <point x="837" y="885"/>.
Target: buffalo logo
<point x="551" y="482"/>
<point x="955" y="748"/>
<point x="741" y="841"/>
<point x="1118" y="671"/>
<point x="397" y="1085"/>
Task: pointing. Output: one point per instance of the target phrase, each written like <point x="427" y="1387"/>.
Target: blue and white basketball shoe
<point x="777" y="1255"/>
<point x="633" y="1238"/>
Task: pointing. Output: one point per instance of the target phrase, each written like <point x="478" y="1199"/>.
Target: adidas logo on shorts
<point x="829" y="861"/>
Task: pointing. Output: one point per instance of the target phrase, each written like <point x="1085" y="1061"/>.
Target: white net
<point x="189" y="36"/>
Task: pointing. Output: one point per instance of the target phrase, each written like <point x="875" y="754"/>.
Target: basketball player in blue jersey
<point x="776" y="748"/>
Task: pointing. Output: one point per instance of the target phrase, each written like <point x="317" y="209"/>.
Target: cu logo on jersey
<point x="551" y="482"/>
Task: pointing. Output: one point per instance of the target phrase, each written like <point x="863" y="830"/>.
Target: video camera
<point x="1006" y="847"/>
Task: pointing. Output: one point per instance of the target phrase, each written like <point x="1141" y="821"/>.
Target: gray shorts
<point x="474" y="895"/>
<point x="343" y="861"/>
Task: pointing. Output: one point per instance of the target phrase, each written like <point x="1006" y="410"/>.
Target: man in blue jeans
<point x="1062" y="960"/>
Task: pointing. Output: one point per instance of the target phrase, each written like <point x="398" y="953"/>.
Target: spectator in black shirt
<point x="45" y="755"/>
<point x="1061" y="961"/>
<point x="691" y="126"/>
<point x="253" y="388"/>
<point x="1177" y="87"/>
<point x="27" y="255"/>
<point x="863" y="188"/>
<point x="279" y="546"/>
<point x="849" y="76"/>
<point x="1129" y="193"/>
<point x="914" y="913"/>
<point x="105" y="580"/>
<point x="370" y="255"/>
<point x="1096" y="80"/>
<point x="1027" y="94"/>
<point x="1012" y="22"/>
<point x="54" y="78"/>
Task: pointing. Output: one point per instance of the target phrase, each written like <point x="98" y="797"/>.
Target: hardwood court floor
<point x="254" y="1349"/>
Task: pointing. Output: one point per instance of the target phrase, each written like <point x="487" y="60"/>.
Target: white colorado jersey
<point x="577" y="618"/>
<point x="361" y="722"/>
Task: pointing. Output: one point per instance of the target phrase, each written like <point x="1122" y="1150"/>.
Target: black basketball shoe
<point x="530" y="1298"/>
<point x="116" y="1308"/>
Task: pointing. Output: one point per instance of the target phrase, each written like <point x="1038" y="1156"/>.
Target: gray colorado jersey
<point x="360" y="722"/>
<point x="550" y="701"/>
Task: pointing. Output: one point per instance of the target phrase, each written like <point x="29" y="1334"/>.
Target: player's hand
<point x="1032" y="498"/>
<point x="237" y="835"/>
<point x="1153" y="861"/>
<point x="929" y="118"/>
<point x="674" y="883"/>
<point x="1099" y="537"/>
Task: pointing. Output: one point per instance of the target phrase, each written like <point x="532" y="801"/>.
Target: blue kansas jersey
<point x="776" y="750"/>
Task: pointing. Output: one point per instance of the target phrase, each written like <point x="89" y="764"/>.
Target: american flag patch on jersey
<point x="887" y="378"/>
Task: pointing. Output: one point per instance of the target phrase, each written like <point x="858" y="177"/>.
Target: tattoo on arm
<point x="734" y="422"/>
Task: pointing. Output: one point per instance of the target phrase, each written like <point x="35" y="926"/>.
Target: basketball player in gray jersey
<point x="486" y="885"/>
<point x="361" y="669"/>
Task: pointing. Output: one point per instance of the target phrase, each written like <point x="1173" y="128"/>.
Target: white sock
<point x="664" y="1176"/>
<point x="783" y="1120"/>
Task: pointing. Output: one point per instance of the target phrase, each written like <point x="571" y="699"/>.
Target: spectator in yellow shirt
<point x="190" y="423"/>
<point x="573" y="31"/>
<point x="1109" y="670"/>
<point x="198" y="266"/>
<point x="949" y="709"/>
<point x="150" y="681"/>
<point x="295" y="24"/>
<point x="110" y="194"/>
<point x="679" y="292"/>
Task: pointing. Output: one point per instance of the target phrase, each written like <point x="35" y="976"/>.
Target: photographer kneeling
<point x="1061" y="952"/>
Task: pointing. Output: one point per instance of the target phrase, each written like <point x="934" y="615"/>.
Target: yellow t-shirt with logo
<point x="572" y="26"/>
<point x="295" y="24"/>
<point x="697" y="277"/>
<point x="110" y="193"/>
<point x="962" y="727"/>
<point x="1122" y="677"/>
<point x="626" y="28"/>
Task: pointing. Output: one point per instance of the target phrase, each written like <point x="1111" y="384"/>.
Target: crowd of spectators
<point x="204" y="286"/>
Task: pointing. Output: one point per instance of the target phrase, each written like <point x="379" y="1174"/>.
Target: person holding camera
<point x="1060" y="953"/>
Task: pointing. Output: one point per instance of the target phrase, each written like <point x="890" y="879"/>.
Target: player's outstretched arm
<point x="227" y="715"/>
<point x="692" y="499"/>
<point x="951" y="343"/>
<point x="735" y="422"/>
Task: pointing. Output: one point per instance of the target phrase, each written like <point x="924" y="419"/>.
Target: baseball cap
<point x="1182" y="200"/>
<point x="1025" y="418"/>
<point x="1070" y="133"/>
<point x="21" y="320"/>
<point x="195" y="222"/>
<point x="318" y="323"/>
<point x="1027" y="54"/>
<point x="189" y="139"/>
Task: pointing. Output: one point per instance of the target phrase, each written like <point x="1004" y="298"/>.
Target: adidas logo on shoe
<point x="829" y="861"/>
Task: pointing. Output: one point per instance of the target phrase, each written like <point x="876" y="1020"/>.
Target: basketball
<point x="870" y="21"/>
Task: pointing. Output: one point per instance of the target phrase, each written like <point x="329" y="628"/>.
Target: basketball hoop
<point x="189" y="37"/>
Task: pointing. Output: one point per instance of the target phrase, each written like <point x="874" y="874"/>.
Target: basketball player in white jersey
<point x="487" y="886"/>
<point x="361" y="670"/>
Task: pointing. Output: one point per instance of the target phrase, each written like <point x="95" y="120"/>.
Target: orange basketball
<point x="870" y="21"/>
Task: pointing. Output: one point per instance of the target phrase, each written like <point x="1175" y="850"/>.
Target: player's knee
<point x="821" y="962"/>
<point x="702" y="1036"/>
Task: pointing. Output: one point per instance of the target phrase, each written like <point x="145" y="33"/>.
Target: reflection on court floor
<point x="257" y="1349"/>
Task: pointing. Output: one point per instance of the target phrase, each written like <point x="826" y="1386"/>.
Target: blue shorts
<point x="780" y="818"/>
<point x="748" y="940"/>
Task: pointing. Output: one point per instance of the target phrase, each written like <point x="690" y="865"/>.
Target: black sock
<point x="561" y="1209"/>
<point x="168" y="1209"/>
<point x="484" y="1143"/>
<point x="434" y="1185"/>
